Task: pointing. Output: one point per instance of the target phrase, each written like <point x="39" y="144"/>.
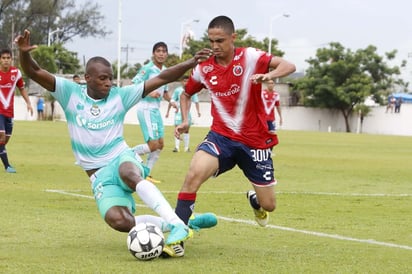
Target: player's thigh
<point x="108" y="196"/>
<point x="202" y="166"/>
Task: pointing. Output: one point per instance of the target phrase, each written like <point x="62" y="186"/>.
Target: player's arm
<point x="280" y="114"/>
<point x="195" y="99"/>
<point x="26" y="98"/>
<point x="185" y="101"/>
<point x="280" y="68"/>
<point x="175" y="72"/>
<point x="197" y="105"/>
<point x="29" y="66"/>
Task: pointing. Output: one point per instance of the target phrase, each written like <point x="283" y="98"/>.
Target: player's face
<point x="99" y="81"/>
<point x="5" y="61"/>
<point x="221" y="42"/>
<point x="270" y="85"/>
<point x="160" y="55"/>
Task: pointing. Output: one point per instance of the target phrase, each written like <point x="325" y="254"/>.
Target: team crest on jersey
<point x="13" y="78"/>
<point x="95" y="110"/>
<point x="207" y="69"/>
<point x="237" y="70"/>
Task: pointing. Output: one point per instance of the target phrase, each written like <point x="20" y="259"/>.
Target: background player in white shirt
<point x="175" y="102"/>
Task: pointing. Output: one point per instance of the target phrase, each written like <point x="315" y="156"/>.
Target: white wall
<point x="294" y="118"/>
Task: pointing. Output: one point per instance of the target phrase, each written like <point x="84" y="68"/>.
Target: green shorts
<point x="178" y="118"/>
<point x="151" y="123"/>
<point x="108" y="188"/>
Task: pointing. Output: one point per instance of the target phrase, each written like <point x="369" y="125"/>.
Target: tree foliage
<point x="66" y="18"/>
<point x="242" y="40"/>
<point x="339" y="78"/>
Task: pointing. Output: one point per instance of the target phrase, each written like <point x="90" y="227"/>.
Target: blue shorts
<point x="151" y="123"/>
<point x="256" y="164"/>
<point x="6" y="124"/>
<point x="108" y="188"/>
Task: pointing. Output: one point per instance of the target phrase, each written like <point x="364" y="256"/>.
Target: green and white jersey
<point x="96" y="126"/>
<point x="145" y="73"/>
<point x="176" y="97"/>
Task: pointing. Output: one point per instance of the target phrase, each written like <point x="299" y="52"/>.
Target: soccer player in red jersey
<point x="239" y="133"/>
<point x="271" y="100"/>
<point x="10" y="78"/>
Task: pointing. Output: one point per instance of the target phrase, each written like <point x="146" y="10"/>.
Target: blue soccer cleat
<point x="200" y="221"/>
<point x="178" y="233"/>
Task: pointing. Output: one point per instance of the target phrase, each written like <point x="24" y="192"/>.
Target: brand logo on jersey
<point x="82" y="122"/>
<point x="237" y="57"/>
<point x="207" y="69"/>
<point x="234" y="89"/>
<point x="237" y="70"/>
<point x="95" y="110"/>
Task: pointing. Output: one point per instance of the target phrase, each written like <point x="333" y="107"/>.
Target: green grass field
<point x="344" y="206"/>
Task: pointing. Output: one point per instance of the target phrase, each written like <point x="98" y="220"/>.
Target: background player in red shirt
<point x="271" y="100"/>
<point x="239" y="133"/>
<point x="10" y="78"/>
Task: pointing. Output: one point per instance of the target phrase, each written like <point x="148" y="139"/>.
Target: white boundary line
<point x="313" y="233"/>
<point x="313" y="193"/>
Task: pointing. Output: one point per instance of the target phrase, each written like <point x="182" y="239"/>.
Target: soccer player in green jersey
<point x="95" y="115"/>
<point x="148" y="109"/>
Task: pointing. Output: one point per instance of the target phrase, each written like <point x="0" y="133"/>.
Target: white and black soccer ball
<point x="145" y="241"/>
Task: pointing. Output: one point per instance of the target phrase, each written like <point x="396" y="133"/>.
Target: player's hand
<point x="23" y="42"/>
<point x="30" y="109"/>
<point x="183" y="127"/>
<point x="259" y="78"/>
<point x="203" y="55"/>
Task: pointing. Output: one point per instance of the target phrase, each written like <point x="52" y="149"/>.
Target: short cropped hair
<point x="6" y="51"/>
<point x="222" y="22"/>
<point x="97" y="59"/>
<point x="158" y="45"/>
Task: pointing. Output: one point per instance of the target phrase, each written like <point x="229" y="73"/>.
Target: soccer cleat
<point x="10" y="169"/>
<point x="187" y="149"/>
<point x="175" y="150"/>
<point x="261" y="215"/>
<point x="178" y="233"/>
<point x="175" y="251"/>
<point x="153" y="180"/>
<point x="200" y="221"/>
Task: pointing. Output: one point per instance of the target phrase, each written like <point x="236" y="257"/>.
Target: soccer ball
<point x="145" y="241"/>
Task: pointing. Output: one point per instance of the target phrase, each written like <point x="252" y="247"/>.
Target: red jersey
<point x="8" y="82"/>
<point x="236" y="102"/>
<point x="271" y="99"/>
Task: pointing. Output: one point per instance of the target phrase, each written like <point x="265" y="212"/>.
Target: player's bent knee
<point x="120" y="220"/>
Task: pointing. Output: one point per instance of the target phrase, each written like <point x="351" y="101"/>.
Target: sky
<point x="355" y="24"/>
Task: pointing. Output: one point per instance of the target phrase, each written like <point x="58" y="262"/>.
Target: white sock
<point x="152" y="158"/>
<point x="154" y="199"/>
<point x="154" y="220"/>
<point x="186" y="138"/>
<point x="142" y="149"/>
<point x="177" y="143"/>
